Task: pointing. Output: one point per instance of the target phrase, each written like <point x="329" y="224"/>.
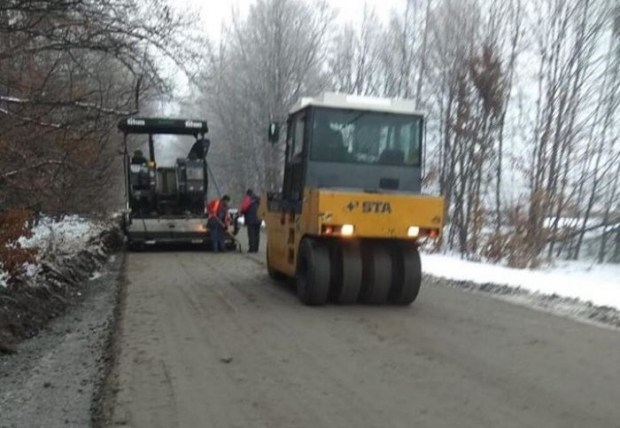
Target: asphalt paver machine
<point x="166" y="204"/>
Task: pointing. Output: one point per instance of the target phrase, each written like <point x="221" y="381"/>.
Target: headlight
<point x="347" y="230"/>
<point x="413" y="231"/>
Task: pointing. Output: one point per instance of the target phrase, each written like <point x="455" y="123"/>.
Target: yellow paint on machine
<point x="373" y="215"/>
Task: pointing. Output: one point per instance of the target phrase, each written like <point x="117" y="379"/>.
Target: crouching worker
<point x="217" y="211"/>
<point x="249" y="210"/>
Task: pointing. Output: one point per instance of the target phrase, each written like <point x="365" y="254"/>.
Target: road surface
<point x="208" y="340"/>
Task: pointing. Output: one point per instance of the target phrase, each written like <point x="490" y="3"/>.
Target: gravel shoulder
<point x="53" y="378"/>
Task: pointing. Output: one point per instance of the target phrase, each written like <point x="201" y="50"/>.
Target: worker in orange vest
<point x="218" y="221"/>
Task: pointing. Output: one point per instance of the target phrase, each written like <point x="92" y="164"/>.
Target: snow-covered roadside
<point x="56" y="379"/>
<point x="65" y="237"/>
<point x="69" y="252"/>
<point x="4" y="277"/>
<point x="55" y="241"/>
<point x="598" y="284"/>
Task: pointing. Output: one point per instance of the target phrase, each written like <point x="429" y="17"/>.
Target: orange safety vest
<point x="213" y="208"/>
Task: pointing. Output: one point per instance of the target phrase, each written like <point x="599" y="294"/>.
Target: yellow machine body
<point x="386" y="216"/>
<point x="350" y="215"/>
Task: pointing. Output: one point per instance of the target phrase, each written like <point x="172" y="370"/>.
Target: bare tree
<point x="566" y="46"/>
<point x="522" y="105"/>
<point x="70" y="68"/>
<point x="353" y="61"/>
<point x="262" y="66"/>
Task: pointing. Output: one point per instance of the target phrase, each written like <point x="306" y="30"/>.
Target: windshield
<point x="365" y="137"/>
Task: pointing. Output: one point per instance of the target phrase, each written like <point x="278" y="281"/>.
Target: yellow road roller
<point x="349" y="218"/>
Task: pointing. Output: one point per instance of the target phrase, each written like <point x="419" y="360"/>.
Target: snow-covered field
<point x="588" y="282"/>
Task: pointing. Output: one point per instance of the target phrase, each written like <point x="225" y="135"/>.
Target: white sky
<point x="214" y="12"/>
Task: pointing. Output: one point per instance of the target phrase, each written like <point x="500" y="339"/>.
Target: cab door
<point x="293" y="188"/>
<point x="282" y="238"/>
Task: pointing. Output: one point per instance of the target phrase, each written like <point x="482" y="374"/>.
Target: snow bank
<point x="66" y="236"/>
<point x="57" y="241"/>
<point x="69" y="252"/>
<point x="4" y="277"/>
<point x="599" y="284"/>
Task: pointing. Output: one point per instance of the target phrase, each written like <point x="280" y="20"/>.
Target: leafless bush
<point x="15" y="224"/>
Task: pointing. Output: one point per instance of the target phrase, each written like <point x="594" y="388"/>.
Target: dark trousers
<point x="253" y="237"/>
<point x="217" y="235"/>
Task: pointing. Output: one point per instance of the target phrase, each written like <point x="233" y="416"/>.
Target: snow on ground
<point x="96" y="275"/>
<point x="599" y="284"/>
<point x="66" y="236"/>
<point x="56" y="239"/>
<point x="4" y="277"/>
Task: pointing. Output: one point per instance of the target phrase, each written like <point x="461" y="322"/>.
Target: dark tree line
<point x="68" y="70"/>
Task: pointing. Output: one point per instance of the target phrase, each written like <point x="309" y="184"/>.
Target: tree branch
<point x="78" y="104"/>
<point x="15" y="172"/>
<point x="30" y="120"/>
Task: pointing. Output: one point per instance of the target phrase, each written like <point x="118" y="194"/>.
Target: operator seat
<point x="329" y="145"/>
<point x="139" y="173"/>
<point x="138" y="158"/>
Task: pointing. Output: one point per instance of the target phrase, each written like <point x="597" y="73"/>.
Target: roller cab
<point x="346" y="225"/>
